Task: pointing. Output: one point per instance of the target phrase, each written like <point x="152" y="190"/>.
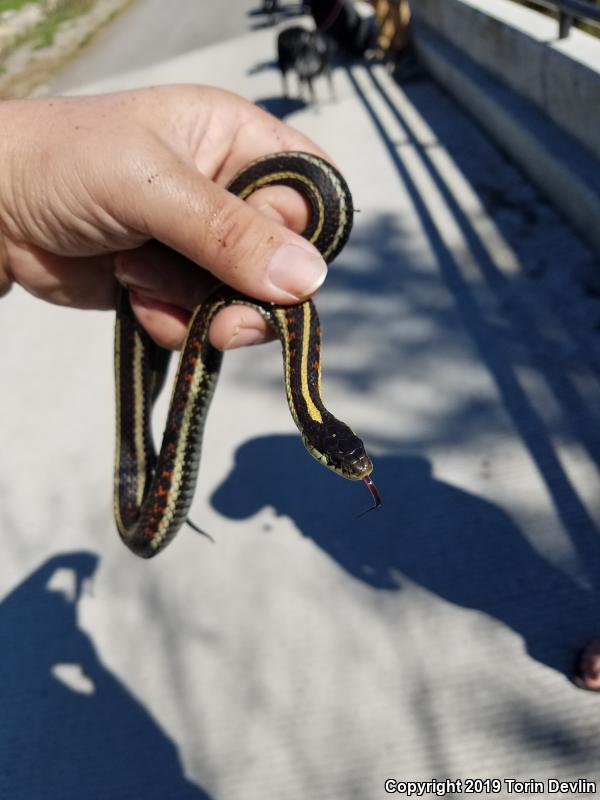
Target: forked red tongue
<point x="377" y="501"/>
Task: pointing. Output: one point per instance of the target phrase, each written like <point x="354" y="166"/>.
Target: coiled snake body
<point x="153" y="492"/>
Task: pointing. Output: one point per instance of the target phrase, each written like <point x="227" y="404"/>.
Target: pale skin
<point x="129" y="188"/>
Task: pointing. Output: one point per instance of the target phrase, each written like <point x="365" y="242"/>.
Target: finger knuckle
<point x="234" y="237"/>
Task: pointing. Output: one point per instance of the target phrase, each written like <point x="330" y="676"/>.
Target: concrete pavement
<point x="307" y="653"/>
<point x="150" y="31"/>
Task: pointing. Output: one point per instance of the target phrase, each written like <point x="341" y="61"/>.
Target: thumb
<point x="239" y="245"/>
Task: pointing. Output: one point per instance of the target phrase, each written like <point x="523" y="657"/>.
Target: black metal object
<point x="564" y="24"/>
<point x="570" y="10"/>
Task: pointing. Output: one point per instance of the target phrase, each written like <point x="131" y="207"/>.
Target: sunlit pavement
<point x="308" y="653"/>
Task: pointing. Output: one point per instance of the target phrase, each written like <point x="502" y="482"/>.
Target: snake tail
<point x="153" y="493"/>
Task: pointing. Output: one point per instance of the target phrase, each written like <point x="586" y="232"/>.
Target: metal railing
<point x="569" y="11"/>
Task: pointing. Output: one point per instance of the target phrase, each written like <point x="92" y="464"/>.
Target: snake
<point x="153" y="491"/>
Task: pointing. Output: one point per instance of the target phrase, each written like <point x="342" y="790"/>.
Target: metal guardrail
<point x="569" y="11"/>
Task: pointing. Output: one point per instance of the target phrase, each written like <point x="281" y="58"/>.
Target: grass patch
<point x="38" y="54"/>
<point x="14" y="5"/>
<point x="43" y="34"/>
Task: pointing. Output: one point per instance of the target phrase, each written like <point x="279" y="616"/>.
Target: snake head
<point x="338" y="448"/>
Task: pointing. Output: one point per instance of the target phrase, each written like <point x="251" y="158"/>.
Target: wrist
<point x="16" y="125"/>
<point x="6" y="278"/>
<point x="13" y="123"/>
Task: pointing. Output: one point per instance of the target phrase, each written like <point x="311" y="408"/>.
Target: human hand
<point x="132" y="185"/>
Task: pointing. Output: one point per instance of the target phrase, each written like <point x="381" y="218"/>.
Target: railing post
<point x="564" y="24"/>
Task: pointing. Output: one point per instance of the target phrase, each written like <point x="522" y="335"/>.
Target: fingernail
<point x="244" y="337"/>
<point x="297" y="271"/>
<point x="135" y="274"/>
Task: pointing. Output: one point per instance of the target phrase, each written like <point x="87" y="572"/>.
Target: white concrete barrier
<point x="537" y="96"/>
<point x="521" y="48"/>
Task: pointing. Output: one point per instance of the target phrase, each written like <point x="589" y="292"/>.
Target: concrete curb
<point x="553" y="160"/>
<point x="520" y="48"/>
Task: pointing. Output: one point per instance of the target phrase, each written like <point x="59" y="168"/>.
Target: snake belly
<point x="153" y="492"/>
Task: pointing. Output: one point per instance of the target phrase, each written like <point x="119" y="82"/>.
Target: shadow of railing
<point x="489" y="341"/>
<point x="70" y="729"/>
<point x="262" y="18"/>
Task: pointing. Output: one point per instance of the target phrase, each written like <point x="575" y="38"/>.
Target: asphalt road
<point x="150" y="31"/>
